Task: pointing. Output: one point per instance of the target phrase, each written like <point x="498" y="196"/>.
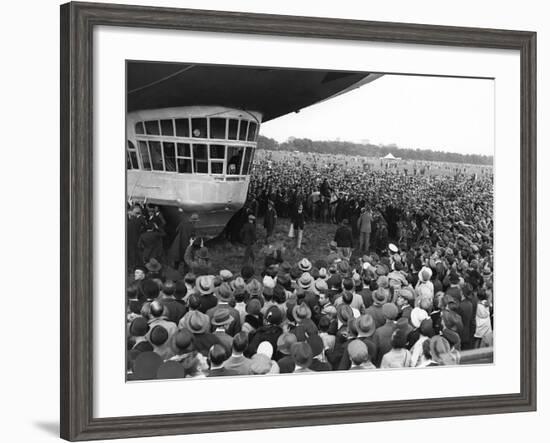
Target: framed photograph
<point x="273" y="221"/>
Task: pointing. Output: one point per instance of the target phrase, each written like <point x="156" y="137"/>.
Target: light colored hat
<point x="321" y="286"/>
<point x="266" y="349"/>
<point x="226" y="275"/>
<point x="425" y="274"/>
<point x="393" y="248"/>
<point x="305" y="281"/>
<point x="205" y="284"/>
<point x="305" y="265"/>
<point x="417" y="316"/>
<point x="260" y="364"/>
<point x="268" y="282"/>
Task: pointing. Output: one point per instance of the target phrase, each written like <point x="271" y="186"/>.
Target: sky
<point x="441" y="113"/>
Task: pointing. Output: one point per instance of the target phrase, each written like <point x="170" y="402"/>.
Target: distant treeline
<point x="370" y="150"/>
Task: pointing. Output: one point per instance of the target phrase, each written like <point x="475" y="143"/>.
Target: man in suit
<point x="248" y="237"/>
<point x="270" y="219"/>
<point x="364" y="226"/>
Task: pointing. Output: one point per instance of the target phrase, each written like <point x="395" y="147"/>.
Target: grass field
<point x="226" y="255"/>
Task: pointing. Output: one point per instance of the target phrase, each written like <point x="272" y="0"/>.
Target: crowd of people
<point x="405" y="282"/>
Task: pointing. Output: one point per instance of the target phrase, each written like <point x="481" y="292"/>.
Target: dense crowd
<point x="405" y="282"/>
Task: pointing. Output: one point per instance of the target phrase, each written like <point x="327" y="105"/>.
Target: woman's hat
<point x="265" y="348"/>
<point x="417" y="316"/>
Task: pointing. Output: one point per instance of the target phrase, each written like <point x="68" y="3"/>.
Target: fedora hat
<point x="302" y="354"/>
<point x="184" y="341"/>
<point x="305" y="265"/>
<point x="365" y="325"/>
<point x="344" y="313"/>
<point x="316" y="343"/>
<point x="224" y="291"/>
<point x="197" y="322"/>
<point x="301" y="312"/>
<point x="238" y="285"/>
<point x="285" y="342"/>
<point x="205" y="284"/>
<point x="221" y="317"/>
<point x="305" y="281"/>
<point x="153" y="265"/>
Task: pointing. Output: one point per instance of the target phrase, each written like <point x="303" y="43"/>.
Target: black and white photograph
<point x="291" y="221"/>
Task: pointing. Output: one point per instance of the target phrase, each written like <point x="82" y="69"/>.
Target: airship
<point x="192" y="130"/>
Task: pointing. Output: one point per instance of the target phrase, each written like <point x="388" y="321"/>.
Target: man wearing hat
<point x="225" y="299"/>
<point x="220" y="321"/>
<point x="380" y="297"/>
<point x="365" y="331"/>
<point x="318" y="362"/>
<point x="405" y="301"/>
<point x="270" y="220"/>
<point x="303" y="356"/>
<point x="364" y="226"/>
<point x="199" y="325"/>
<point x="205" y="287"/>
<point x="150" y="242"/>
<point x="344" y="239"/>
<point x="333" y="254"/>
<point x="154" y="268"/>
<point x="185" y="232"/>
<point x="284" y="345"/>
<point x="383" y="334"/>
<point x="248" y="237"/>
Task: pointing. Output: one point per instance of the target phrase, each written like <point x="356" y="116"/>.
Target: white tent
<point x="390" y="156"/>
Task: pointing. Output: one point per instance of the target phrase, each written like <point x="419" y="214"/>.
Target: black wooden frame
<point x="77" y="23"/>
